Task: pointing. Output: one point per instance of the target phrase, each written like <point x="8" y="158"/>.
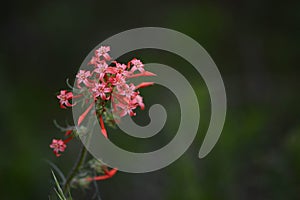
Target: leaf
<point x="60" y="173"/>
<point x="59" y="191"/>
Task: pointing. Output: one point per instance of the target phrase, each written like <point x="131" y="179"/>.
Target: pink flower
<point x="118" y="69"/>
<point x="120" y="66"/>
<point x="101" y="90"/>
<point x="82" y="77"/>
<point x="117" y="80"/>
<point x="102" y="52"/>
<point x="127" y="108"/>
<point x="64" y="98"/>
<point x="126" y="90"/>
<point x="100" y="69"/>
<point x="121" y="69"/>
<point x="137" y="65"/>
<point x="58" y="146"/>
<point x="139" y="101"/>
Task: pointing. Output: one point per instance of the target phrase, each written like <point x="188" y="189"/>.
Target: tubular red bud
<point x="82" y="117"/>
<point x="144" y="84"/>
<point x="107" y="175"/>
<point x="103" y="130"/>
<point x="145" y="73"/>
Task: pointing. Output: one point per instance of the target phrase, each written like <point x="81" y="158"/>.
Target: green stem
<point x="75" y="169"/>
<point x="77" y="165"/>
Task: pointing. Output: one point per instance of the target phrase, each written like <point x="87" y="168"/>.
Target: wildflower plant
<point x="103" y="90"/>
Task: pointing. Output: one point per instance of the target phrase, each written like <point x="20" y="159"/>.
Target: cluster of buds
<point x="104" y="85"/>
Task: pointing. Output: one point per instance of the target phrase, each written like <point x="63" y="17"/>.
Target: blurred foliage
<point x="254" y="44"/>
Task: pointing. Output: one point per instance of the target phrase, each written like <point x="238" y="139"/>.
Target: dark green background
<point x="255" y="46"/>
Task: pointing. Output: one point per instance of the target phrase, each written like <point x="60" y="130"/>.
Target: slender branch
<point x="77" y="165"/>
<point x="75" y="169"/>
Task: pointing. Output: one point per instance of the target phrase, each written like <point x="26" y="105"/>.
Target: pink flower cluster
<point x="109" y="82"/>
<point x="106" y="84"/>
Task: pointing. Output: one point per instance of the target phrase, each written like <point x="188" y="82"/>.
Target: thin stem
<point x="78" y="164"/>
<point x="75" y="169"/>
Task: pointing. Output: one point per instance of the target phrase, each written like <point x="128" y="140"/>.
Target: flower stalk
<point x="104" y="88"/>
<point x="77" y="165"/>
